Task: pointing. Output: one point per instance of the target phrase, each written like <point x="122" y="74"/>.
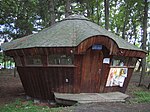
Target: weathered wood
<point x="78" y="73"/>
<point x="91" y="71"/>
<point x="106" y="41"/>
<point x="105" y="72"/>
<point x="88" y="73"/>
<point x="131" y="53"/>
<point x="126" y="82"/>
<point x="41" y="82"/>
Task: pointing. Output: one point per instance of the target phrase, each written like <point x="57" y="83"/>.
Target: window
<point x="132" y="61"/>
<point x="119" y="61"/>
<point x="55" y="59"/>
<point x="33" y="60"/>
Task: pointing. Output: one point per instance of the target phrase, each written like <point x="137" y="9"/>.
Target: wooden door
<point x="91" y="71"/>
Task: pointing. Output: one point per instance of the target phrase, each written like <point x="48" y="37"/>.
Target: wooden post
<point x="148" y="86"/>
<point x="15" y="69"/>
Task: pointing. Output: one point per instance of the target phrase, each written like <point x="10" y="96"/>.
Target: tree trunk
<point x="5" y="61"/>
<point x="68" y="8"/>
<point x="125" y="21"/>
<point x="106" y="4"/>
<point x="144" y="42"/>
<point x="134" y="33"/>
<point x="98" y="12"/>
<point x="88" y="9"/>
<point x="52" y="12"/>
<point x="92" y="11"/>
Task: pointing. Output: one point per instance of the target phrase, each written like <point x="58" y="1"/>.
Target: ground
<point x="110" y="107"/>
<point x="11" y="89"/>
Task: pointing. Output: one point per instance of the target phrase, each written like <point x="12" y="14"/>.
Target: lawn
<point x="142" y="96"/>
<point x="27" y="106"/>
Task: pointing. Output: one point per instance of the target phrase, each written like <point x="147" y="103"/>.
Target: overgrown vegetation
<point x="142" y="96"/>
<point x="27" y="106"/>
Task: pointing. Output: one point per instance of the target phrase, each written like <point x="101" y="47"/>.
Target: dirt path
<point x="11" y="89"/>
<point x="109" y="107"/>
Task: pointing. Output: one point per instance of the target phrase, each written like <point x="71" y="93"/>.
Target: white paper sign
<point x="117" y="76"/>
<point x="106" y="60"/>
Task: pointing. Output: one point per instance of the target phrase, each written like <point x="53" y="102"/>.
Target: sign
<point x="97" y="47"/>
<point x="117" y="76"/>
<point x="106" y="60"/>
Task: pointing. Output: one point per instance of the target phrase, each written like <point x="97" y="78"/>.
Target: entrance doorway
<point x="91" y="71"/>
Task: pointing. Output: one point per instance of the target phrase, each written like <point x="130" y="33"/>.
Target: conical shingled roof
<point x="69" y="32"/>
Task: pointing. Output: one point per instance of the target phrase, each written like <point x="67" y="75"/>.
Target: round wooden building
<point x="73" y="56"/>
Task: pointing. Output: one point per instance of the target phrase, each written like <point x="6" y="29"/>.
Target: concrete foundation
<point x="69" y="99"/>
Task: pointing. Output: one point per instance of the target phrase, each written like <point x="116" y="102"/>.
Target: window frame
<point x="128" y="62"/>
<point x="58" y="59"/>
<point x="33" y="57"/>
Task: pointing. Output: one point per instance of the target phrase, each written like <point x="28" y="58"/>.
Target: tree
<point x="144" y="41"/>
<point x="17" y="18"/>
<point x="52" y="12"/>
<point x="68" y="8"/>
<point x="20" y="18"/>
<point x="126" y="10"/>
<point x="106" y="4"/>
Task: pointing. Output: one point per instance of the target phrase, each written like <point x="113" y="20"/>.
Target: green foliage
<point x="17" y="17"/>
<point x="142" y="96"/>
<point x="20" y="18"/>
<point x="23" y="17"/>
<point x="26" y="106"/>
<point x="148" y="58"/>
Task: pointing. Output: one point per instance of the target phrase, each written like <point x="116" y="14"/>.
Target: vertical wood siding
<point x="41" y="82"/>
<point x="84" y="76"/>
<point x="91" y="71"/>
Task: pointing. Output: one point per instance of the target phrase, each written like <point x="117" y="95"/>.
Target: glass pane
<point x="119" y="61"/>
<point x="60" y="59"/>
<point x="66" y="60"/>
<point x="33" y="60"/>
<point x="54" y="59"/>
<point x="132" y="61"/>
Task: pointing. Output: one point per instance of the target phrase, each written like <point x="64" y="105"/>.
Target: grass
<point x="27" y="106"/>
<point x="142" y="96"/>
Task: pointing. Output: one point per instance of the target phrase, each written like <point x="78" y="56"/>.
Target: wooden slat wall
<point x="110" y="45"/>
<point x="41" y="82"/>
<point x="47" y="51"/>
<point x="105" y="72"/>
<point x="81" y="48"/>
<point x="127" y="80"/>
<point x="91" y="71"/>
<point x="107" y="42"/>
<point x="131" y="53"/>
<point x="78" y="73"/>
